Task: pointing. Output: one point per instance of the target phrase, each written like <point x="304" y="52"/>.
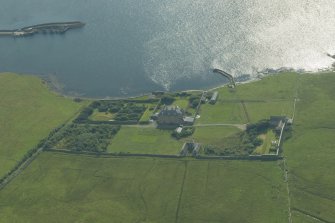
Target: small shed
<point x="179" y="130"/>
<point x="277" y="121"/>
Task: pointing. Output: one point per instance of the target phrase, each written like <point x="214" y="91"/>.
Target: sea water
<point x="131" y="47"/>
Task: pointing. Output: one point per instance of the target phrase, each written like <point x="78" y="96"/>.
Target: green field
<point x="275" y="87"/>
<point x="145" y="140"/>
<point x="263" y="110"/>
<point x="221" y="112"/>
<point x="272" y="95"/>
<point x="310" y="152"/>
<point x="74" y="188"/>
<point x="28" y="112"/>
<point x="213" y="135"/>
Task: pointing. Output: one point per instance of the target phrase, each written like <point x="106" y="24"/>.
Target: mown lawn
<point x="72" y="188"/>
<point x="28" y="112"/>
<point x="144" y="140"/>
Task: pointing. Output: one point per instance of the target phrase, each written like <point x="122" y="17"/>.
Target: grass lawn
<point x="181" y="102"/>
<point x="145" y="140"/>
<point x="213" y="135"/>
<point x="28" y="112"/>
<point x="101" y="116"/>
<point x="267" y="141"/>
<point x="72" y="188"/>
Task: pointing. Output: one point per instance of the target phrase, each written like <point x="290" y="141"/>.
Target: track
<point x="181" y="193"/>
<point x="245" y="111"/>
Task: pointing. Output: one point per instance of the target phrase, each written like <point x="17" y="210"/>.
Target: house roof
<point x="171" y="111"/>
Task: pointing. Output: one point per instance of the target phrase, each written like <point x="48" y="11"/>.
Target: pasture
<point x="78" y="188"/>
<point x="252" y="102"/>
<point x="29" y="111"/>
<point x="310" y="152"/>
<point x="213" y="135"/>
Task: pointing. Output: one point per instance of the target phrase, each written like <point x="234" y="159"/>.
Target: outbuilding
<point x="214" y="97"/>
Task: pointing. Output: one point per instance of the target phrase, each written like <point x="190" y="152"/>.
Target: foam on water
<point x="241" y="37"/>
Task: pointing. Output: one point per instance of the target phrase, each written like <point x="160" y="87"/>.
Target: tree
<point x="167" y="100"/>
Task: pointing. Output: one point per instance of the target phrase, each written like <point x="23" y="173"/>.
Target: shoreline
<point x="57" y="87"/>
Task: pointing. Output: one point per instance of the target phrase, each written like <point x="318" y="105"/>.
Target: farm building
<point x="214" y="97"/>
<point x="188" y="120"/>
<point x="277" y="121"/>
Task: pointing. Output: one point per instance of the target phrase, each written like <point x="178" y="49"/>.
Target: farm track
<point x="288" y="192"/>
<point x="22" y="167"/>
<point x="305" y="213"/>
<point x="245" y="111"/>
<point x="142" y="190"/>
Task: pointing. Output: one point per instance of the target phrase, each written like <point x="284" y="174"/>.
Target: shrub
<point x="187" y="131"/>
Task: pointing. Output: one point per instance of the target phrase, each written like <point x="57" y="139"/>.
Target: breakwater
<point x="59" y="27"/>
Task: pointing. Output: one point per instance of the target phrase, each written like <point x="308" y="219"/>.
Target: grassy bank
<point x="29" y="111"/>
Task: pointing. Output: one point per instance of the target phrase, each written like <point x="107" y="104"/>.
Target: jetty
<point x="226" y="75"/>
<point x="58" y="27"/>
